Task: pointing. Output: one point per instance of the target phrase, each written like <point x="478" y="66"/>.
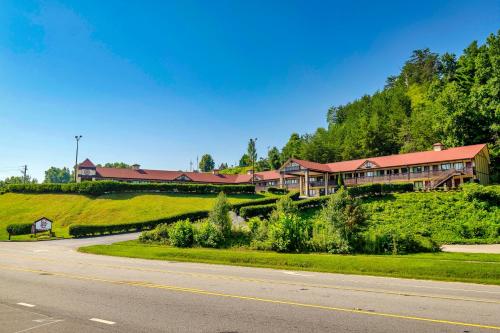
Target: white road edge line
<point x="26" y="304"/>
<point x="102" y="321"/>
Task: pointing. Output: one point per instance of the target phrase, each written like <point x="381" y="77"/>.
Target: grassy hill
<point x="447" y="217"/>
<point x="66" y="209"/>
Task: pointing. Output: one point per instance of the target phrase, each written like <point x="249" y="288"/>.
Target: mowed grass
<point x="67" y="209"/>
<point x="463" y="267"/>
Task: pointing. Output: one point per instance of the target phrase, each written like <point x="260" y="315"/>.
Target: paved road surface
<point x="480" y="248"/>
<point x="49" y="287"/>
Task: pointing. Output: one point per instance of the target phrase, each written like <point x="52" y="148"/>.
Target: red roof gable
<point x="87" y="164"/>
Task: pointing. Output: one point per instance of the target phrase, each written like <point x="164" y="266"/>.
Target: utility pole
<point x="24" y="171"/>
<point x="254" y="155"/>
<point x="77" y="138"/>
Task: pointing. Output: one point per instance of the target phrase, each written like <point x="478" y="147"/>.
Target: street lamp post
<point x="254" y="153"/>
<point x="77" y="138"/>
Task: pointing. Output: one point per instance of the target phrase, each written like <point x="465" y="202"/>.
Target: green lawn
<point x="475" y="268"/>
<point x="66" y="209"/>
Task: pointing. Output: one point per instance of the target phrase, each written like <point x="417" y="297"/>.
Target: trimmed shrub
<point x="83" y="230"/>
<point x="181" y="234"/>
<point x="101" y="187"/>
<point x="19" y="229"/>
<point x="209" y="235"/>
<point x="257" y="210"/>
<point x="275" y="190"/>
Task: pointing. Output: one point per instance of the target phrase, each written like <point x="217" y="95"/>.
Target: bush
<point x="102" y="187"/>
<point x="275" y="190"/>
<point x="181" y="234"/>
<point x="209" y="235"/>
<point x="392" y="241"/>
<point x="19" y="229"/>
<point x="158" y="234"/>
<point x="346" y="218"/>
<point x="219" y="215"/>
<point x="290" y="233"/>
<point x="476" y="192"/>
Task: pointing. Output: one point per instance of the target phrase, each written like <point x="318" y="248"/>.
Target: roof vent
<point x="438" y="146"/>
<point x="135" y="166"/>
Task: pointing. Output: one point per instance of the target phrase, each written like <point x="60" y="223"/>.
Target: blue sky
<point x="161" y="82"/>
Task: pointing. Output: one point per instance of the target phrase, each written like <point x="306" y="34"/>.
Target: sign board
<point x="43" y="224"/>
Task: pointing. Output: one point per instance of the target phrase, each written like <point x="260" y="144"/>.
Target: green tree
<point x="117" y="165"/>
<point x="245" y="161"/>
<point x="346" y="217"/>
<point x="219" y="215"/>
<point x="252" y="151"/>
<point x="293" y="148"/>
<point x="274" y="158"/>
<point x="57" y="175"/>
<point x="206" y="163"/>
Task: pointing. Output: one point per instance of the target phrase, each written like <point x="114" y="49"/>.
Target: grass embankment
<point x="447" y="217"/>
<point x="474" y="268"/>
<point x="67" y="209"/>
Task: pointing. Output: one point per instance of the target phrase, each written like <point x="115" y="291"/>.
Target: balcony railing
<point x="405" y="176"/>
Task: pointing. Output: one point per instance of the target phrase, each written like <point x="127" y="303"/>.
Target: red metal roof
<point x="401" y="160"/>
<point x="164" y="175"/>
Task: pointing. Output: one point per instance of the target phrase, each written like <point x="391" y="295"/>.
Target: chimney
<point x="250" y="172"/>
<point x="438" y="146"/>
<point x="136" y="166"/>
<point x="215" y="171"/>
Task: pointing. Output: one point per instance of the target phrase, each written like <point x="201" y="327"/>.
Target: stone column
<point x="282" y="180"/>
<point x="326" y="183"/>
<point x="307" y="182"/>
<point x="301" y="187"/>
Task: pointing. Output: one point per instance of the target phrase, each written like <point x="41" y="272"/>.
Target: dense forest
<point x="435" y="98"/>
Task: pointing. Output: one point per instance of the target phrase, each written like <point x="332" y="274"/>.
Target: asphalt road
<point x="49" y="287"/>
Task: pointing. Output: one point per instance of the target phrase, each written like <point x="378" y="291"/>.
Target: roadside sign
<point x="43" y="224"/>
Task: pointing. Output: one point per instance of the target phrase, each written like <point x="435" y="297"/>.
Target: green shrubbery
<point x="275" y="190"/>
<point x="468" y="216"/>
<point x="19" y="229"/>
<point x="181" y="234"/>
<point x="102" y="187"/>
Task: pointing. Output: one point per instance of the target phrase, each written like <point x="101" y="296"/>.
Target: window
<point x="416" y="169"/>
<point x="418" y="185"/>
<point x="426" y="168"/>
<point x="379" y="172"/>
<point x="395" y="171"/>
<point x="458" y="165"/>
<point x="404" y="170"/>
<point x="446" y="166"/>
<point x="435" y="168"/>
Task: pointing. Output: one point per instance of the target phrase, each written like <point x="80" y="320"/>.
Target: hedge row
<point x="101" y="187"/>
<point x="362" y="190"/>
<point x="19" y="229"/>
<point x="276" y="190"/>
<point x="82" y="230"/>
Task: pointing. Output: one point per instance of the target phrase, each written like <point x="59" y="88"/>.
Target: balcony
<point x="406" y="176"/>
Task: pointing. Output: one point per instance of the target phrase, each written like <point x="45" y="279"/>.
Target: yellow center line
<point x="271" y="281"/>
<point x="249" y="298"/>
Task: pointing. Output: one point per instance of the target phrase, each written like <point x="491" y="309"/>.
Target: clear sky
<point x="161" y="82"/>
